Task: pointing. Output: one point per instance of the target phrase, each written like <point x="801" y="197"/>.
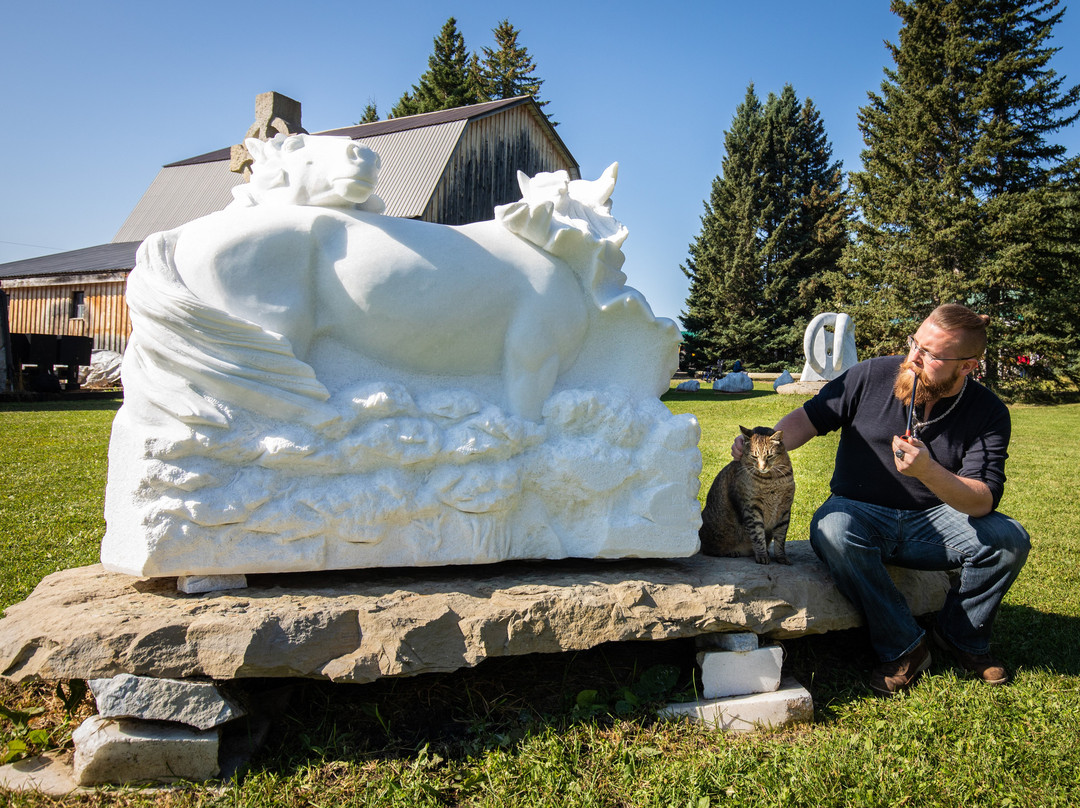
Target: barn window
<point x="78" y="305"/>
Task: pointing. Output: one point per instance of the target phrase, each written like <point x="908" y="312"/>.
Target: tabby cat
<point x="749" y="503"/>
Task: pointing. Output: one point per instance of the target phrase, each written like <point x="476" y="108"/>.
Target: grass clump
<point x="563" y="730"/>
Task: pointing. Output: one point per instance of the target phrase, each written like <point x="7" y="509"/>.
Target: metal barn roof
<point x="414" y="151"/>
<point x="102" y="258"/>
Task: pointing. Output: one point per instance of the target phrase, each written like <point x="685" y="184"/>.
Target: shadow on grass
<point x="712" y="395"/>
<point x="72" y="405"/>
<point x="501" y="701"/>
<point x="1026" y="637"/>
<point x="463" y="712"/>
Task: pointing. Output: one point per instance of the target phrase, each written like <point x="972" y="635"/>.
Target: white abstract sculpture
<point x="312" y="385"/>
<point x="828" y="354"/>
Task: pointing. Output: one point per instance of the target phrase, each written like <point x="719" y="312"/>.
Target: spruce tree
<point x="961" y="193"/>
<point x="507" y="70"/>
<point x="775" y="221"/>
<point x="371" y="113"/>
<point x="451" y="79"/>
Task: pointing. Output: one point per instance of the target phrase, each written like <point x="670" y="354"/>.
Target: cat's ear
<point x="745" y="431"/>
<point x="777" y="437"/>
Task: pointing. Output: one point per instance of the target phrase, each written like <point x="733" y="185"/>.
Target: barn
<point x="450" y="167"/>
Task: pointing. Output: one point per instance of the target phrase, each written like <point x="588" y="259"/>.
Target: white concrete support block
<point x="201" y="705"/>
<point x="132" y="751"/>
<point x="728" y="641"/>
<point x="791" y="704"/>
<point x="738" y="673"/>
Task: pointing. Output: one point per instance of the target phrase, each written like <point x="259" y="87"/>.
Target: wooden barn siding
<point x="482" y="172"/>
<point x="45" y="309"/>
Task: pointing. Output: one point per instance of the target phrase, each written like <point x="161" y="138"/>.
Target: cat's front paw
<point x="761" y="559"/>
<point x="782" y="559"/>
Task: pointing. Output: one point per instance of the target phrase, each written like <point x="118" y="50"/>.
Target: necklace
<point x="918" y="426"/>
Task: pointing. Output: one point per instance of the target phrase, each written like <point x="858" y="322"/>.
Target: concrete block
<point x="791" y="704"/>
<point x="739" y="673"/>
<point x="727" y="641"/>
<point x="132" y="751"/>
<point x="198" y="704"/>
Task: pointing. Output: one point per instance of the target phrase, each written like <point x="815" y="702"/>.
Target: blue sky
<point x="98" y="96"/>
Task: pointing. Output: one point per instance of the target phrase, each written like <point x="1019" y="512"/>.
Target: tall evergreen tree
<point x="774" y="222"/>
<point x="507" y="70"/>
<point x="957" y="197"/>
<point x="451" y="80"/>
<point x="371" y="113"/>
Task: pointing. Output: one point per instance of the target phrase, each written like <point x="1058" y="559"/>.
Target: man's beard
<point x="927" y="390"/>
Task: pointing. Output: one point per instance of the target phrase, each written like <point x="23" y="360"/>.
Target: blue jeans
<point x="856" y="540"/>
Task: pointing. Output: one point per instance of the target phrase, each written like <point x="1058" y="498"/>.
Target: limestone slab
<point x="791" y="704"/>
<point x="361" y="625"/>
<point x="197" y="704"/>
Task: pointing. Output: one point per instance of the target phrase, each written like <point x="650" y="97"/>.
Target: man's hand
<point x="910" y="455"/>
<point x="966" y="495"/>
<point x="796" y="427"/>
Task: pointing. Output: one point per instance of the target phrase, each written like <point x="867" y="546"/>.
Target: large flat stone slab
<point x="359" y="626"/>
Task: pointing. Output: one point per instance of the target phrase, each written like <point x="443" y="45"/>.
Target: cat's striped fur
<point x="749" y="503"/>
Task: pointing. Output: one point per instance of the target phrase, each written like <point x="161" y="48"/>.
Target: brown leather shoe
<point x="890" y="678"/>
<point x="983" y="666"/>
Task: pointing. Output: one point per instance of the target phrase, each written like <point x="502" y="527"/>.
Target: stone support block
<point x="197" y="704"/>
<point x="738" y="673"/>
<point x="728" y="641"/>
<point x="131" y="751"/>
<point x="791" y="704"/>
<point x="196" y="584"/>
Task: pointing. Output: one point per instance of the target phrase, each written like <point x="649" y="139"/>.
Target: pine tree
<point x="451" y="79"/>
<point x="508" y="71"/>
<point x="958" y="199"/>
<point x="774" y="222"/>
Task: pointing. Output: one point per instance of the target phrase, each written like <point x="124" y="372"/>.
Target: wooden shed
<point x="451" y="167"/>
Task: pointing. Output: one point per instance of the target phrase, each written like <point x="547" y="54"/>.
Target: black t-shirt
<point x="971" y="441"/>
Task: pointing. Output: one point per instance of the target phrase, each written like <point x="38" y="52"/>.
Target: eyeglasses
<point x="912" y="345"/>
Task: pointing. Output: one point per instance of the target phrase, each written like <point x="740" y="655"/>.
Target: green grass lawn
<point x="517" y="732"/>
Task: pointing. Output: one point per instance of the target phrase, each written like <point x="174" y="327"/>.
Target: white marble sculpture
<point x="829" y="344"/>
<point x="312" y="385"/>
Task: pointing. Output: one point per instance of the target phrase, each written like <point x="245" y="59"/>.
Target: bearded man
<point x="927" y="501"/>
